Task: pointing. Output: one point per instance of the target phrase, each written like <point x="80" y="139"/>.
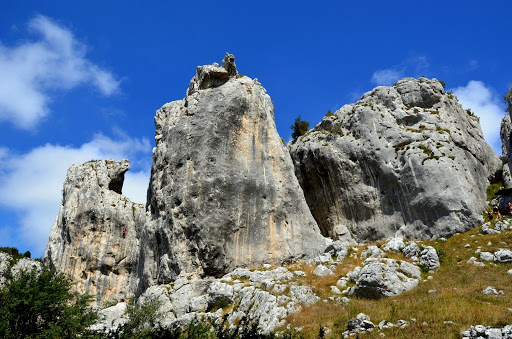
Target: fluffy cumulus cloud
<point x="31" y="183"/>
<point x="414" y="66"/>
<point x="486" y="104"/>
<point x="55" y="60"/>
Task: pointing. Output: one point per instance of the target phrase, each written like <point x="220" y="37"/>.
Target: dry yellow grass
<point x="458" y="297"/>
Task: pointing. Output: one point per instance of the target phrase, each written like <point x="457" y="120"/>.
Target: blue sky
<point x="82" y="80"/>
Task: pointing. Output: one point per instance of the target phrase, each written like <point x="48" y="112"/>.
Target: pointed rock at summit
<point x="87" y="240"/>
<point x="406" y="160"/>
<point x="223" y="192"/>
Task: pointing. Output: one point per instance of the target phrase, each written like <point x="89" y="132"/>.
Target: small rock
<point x="395" y="245"/>
<point x="323" y="259"/>
<point x="402" y="323"/>
<point x="322" y="271"/>
<point x="491" y="290"/>
<point x="342" y="282"/>
<point x="503" y="256"/>
<point x="335" y="290"/>
<point x="429" y="258"/>
<point x="411" y="250"/>
<point x="372" y="252"/>
<point x="486" y="256"/>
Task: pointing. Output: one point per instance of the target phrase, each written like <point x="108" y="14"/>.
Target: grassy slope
<point x="458" y="297"/>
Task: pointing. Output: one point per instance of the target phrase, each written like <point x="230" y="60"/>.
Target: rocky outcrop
<point x="383" y="277"/>
<point x="506" y="149"/>
<point x="405" y="160"/>
<point x="87" y="241"/>
<point x="243" y="297"/>
<point x="487" y="332"/>
<point x="223" y="191"/>
<point x="11" y="268"/>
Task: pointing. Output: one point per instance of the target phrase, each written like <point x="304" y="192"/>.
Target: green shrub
<point x="299" y="128"/>
<point x="40" y="304"/>
<point x="329" y="114"/>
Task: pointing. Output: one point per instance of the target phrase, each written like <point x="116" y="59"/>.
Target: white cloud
<point x="55" y="61"/>
<point x="486" y="104"/>
<point x="386" y="77"/>
<point x="31" y="183"/>
<point x="414" y="66"/>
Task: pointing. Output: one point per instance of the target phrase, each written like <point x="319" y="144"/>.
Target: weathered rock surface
<point x="5" y="267"/>
<point x="506" y="139"/>
<point x="87" y="240"/>
<point x="382" y="277"/>
<point x="503" y="256"/>
<point x="406" y="160"/>
<point x="429" y="258"/>
<point x="223" y="191"/>
<point x="487" y="332"/>
<point x="111" y="318"/>
<point x="265" y="299"/>
<point x="360" y="324"/>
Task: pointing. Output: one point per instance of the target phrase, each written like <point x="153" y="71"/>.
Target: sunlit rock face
<point x="222" y="192"/>
<point x="88" y="241"/>
<point x="404" y="160"/>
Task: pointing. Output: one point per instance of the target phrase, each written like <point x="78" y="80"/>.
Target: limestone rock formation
<point x="506" y="148"/>
<point x="406" y="160"/>
<point x="506" y="139"/>
<point x="87" y="240"/>
<point x="223" y="191"/>
<point x="383" y="277"/>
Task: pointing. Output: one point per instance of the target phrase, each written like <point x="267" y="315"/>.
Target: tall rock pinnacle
<point x="222" y="192"/>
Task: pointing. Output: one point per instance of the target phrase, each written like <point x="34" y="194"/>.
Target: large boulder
<point x="383" y="277"/>
<point x="406" y="160"/>
<point x="87" y="241"/>
<point x="223" y="191"/>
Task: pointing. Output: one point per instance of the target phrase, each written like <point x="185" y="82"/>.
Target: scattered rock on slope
<point x="87" y="241"/>
<point x="405" y="160"/>
<point x="223" y="191"/>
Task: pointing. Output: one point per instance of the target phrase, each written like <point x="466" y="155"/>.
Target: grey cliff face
<point x="506" y="148"/>
<point x="223" y="191"/>
<point x="404" y="160"/>
<point x="87" y="240"/>
<point x="506" y="139"/>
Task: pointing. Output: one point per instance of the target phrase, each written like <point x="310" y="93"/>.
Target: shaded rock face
<point x="223" y="191"/>
<point x="87" y="240"/>
<point x="406" y="160"/>
<point x="506" y="148"/>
